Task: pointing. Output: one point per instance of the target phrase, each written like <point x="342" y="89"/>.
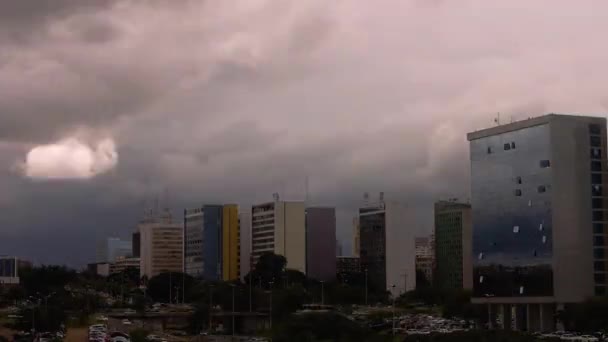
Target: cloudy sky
<point x="104" y="104"/>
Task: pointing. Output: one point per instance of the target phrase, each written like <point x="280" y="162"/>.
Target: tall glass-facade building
<point x="537" y="201"/>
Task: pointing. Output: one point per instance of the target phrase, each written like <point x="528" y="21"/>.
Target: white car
<point x="126" y="322"/>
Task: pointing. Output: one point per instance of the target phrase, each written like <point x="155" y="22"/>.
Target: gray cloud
<point x="230" y="101"/>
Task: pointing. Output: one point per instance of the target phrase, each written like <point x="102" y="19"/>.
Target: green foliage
<point x="46" y="279"/>
<point x="320" y="327"/>
<point x="589" y="316"/>
<point x="269" y="269"/>
<point x="139" y="335"/>
<point x="161" y="285"/>
<point x="474" y="336"/>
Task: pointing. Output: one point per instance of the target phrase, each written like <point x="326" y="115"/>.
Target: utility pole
<point x="393" y="287"/>
<point x="250" y="293"/>
<point x="170" y="284"/>
<point x="233" y="321"/>
<point x="210" y="305"/>
<point x="322" y="293"/>
<point x="366" y="287"/>
<point x="271" y="283"/>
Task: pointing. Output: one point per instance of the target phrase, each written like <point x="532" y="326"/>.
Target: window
<point x="507" y="146"/>
<point x="598" y="215"/>
<point x="545" y="163"/>
<point x="598" y="241"/>
<point x="489" y="150"/>
<point x="596" y="153"/>
<point x="595" y="141"/>
<point x="481" y="279"/>
<point x="480" y="257"/>
<point x="596" y="178"/>
<point x="541" y="189"/>
<point x="544" y="239"/>
<point x="521" y="290"/>
<point x="517" y="192"/>
<point x="596" y="166"/>
<point x="597" y="203"/>
<point x="598" y="228"/>
<point x="540" y="227"/>
<point x="600" y="278"/>
<point x="595" y="129"/>
<point x="599" y="253"/>
<point x="600" y="290"/>
<point x="518" y="180"/>
<point x="596" y="190"/>
<point x="599" y="266"/>
<point x="513" y="145"/>
<point x="515" y="229"/>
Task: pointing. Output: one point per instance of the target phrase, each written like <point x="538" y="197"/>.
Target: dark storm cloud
<point x="231" y="101"/>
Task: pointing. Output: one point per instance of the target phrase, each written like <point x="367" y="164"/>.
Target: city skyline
<point x="105" y="105"/>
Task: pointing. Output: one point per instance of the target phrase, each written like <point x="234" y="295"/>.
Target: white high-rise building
<point x="279" y="227"/>
<point x="161" y="246"/>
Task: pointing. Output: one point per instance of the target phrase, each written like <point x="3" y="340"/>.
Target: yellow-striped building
<point x="230" y="243"/>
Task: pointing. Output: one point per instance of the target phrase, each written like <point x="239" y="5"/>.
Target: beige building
<point x="356" y="237"/>
<point x="122" y="263"/>
<point x="161" y="246"/>
<point x="279" y="227"/>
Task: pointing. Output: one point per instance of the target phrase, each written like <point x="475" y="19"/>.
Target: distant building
<point x="245" y="231"/>
<point x="453" y="251"/>
<point x="387" y="247"/>
<point x="110" y="248"/>
<point x="539" y="216"/>
<point x="161" y="245"/>
<point x="348" y="265"/>
<point x="135" y="244"/>
<point x="279" y="227"/>
<point x="9" y="270"/>
<point x="230" y="243"/>
<point x="356" y="237"/>
<point x="211" y="242"/>
<point x="122" y="263"/>
<point x="338" y="249"/>
<point x="425" y="258"/>
<point x="321" y="243"/>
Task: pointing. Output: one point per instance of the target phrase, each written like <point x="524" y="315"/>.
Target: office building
<point x="539" y="223"/>
<point x="211" y="242"/>
<point x="110" y="248"/>
<point x="387" y="247"/>
<point x="161" y="245"/>
<point x="230" y="243"/>
<point x="135" y="244"/>
<point x="425" y="257"/>
<point x="453" y="251"/>
<point x="245" y="231"/>
<point x="123" y="263"/>
<point x="321" y="243"/>
<point x="9" y="270"/>
<point x="348" y="265"/>
<point x="278" y="227"/>
<point x="356" y="237"/>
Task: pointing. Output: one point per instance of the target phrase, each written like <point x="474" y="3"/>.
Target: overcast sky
<point x="103" y="104"/>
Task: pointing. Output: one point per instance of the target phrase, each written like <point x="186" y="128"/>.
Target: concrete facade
<point x="453" y="250"/>
<point x="321" y="243"/>
<point x="161" y="246"/>
<point x="388" y="249"/>
<point x="279" y="227"/>
<point x="110" y="248"/>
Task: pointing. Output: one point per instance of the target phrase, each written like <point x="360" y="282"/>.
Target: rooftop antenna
<point x="381" y="196"/>
<point x="497" y="119"/>
<point x="366" y="197"/>
<point x="275" y="196"/>
<point x="306" y="189"/>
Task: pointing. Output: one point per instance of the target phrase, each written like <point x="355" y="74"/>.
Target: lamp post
<point x="233" y="287"/>
<point x="271" y="283"/>
<point x="366" y="287"/>
<point x="250" y="293"/>
<point x="393" y="293"/>
<point x="210" y="305"/>
<point x="322" y="293"/>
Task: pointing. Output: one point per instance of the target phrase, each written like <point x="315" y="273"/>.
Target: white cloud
<point x="70" y="159"/>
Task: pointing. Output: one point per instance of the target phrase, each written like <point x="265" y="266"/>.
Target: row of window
<point x="540" y="189"/>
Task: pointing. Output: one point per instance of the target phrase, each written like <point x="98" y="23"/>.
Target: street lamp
<point x="322" y="293"/>
<point x="271" y="283"/>
<point x="233" y="287"/>
<point x="366" y="287"/>
<point x="393" y="294"/>
<point x="210" y="305"/>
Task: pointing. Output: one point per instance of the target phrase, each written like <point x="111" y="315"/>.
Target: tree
<point x="269" y="268"/>
<point x="321" y="327"/>
<point x="170" y="283"/>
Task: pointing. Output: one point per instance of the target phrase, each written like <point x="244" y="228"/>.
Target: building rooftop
<point x="517" y="125"/>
